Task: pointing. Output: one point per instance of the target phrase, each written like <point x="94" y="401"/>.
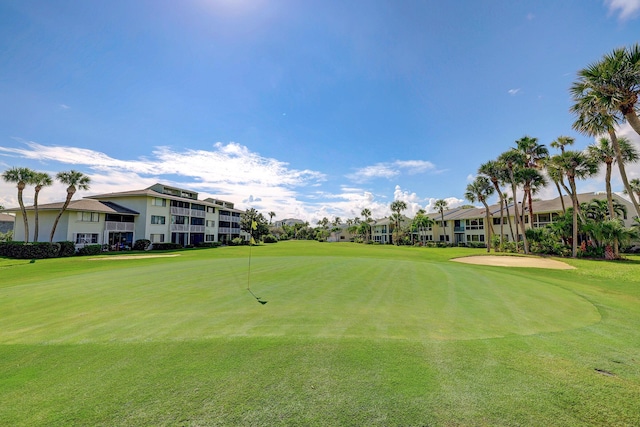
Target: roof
<point x="7" y="218"/>
<point x="152" y="192"/>
<point x="86" y="205"/>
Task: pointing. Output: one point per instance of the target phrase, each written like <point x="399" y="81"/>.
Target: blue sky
<point x="305" y="108"/>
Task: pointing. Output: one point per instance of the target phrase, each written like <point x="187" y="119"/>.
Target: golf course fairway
<point x="350" y="335"/>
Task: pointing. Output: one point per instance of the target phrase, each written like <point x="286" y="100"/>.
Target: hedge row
<point x="37" y="250"/>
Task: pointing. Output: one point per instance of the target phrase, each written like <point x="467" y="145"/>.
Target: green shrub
<point x="90" y="250"/>
<point x="165" y="246"/>
<point x="238" y="241"/>
<point x="37" y="250"/>
<point x="270" y="238"/>
<point x="141" y="244"/>
<point x="476" y="245"/>
<point x="67" y="248"/>
<point x="208" y="244"/>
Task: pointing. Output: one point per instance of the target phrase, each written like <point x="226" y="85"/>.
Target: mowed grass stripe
<point x="323" y="296"/>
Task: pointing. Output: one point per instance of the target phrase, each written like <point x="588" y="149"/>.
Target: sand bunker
<point x="515" y="261"/>
<point x="117" y="257"/>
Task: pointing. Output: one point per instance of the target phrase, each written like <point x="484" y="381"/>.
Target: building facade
<point x="159" y="213"/>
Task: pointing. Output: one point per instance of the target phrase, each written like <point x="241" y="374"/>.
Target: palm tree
<point x="613" y="83"/>
<point x="576" y="165"/>
<point x="39" y="179"/>
<point x="397" y="206"/>
<point x="532" y="182"/>
<point x="534" y="157"/>
<point x="635" y="186"/>
<point x="366" y="214"/>
<point x="271" y="215"/>
<point x="495" y="172"/>
<point x="603" y="152"/>
<point x="512" y="159"/>
<point x="440" y="206"/>
<point x="21" y="177"/>
<point x="596" y="118"/>
<point x="421" y="222"/>
<point x="561" y="142"/>
<point x="75" y="181"/>
<point x="480" y="190"/>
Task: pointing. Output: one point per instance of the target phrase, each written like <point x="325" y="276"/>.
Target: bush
<point x="208" y="244"/>
<point x="90" y="250"/>
<point x="37" y="250"/>
<point x="476" y="245"/>
<point x="165" y="246"/>
<point x="270" y="238"/>
<point x="141" y="245"/>
<point x="238" y="241"/>
<point x="67" y="248"/>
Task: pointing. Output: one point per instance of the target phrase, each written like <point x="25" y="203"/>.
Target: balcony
<point x="458" y="229"/>
<point x="196" y="228"/>
<point x="180" y="228"/>
<point x="180" y="211"/>
<point x="230" y="218"/>
<point x="118" y="226"/>
<point x="228" y="230"/>
<point x="197" y="214"/>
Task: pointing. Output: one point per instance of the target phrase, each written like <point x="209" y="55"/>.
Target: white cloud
<point x="626" y="9"/>
<point x="513" y="92"/>
<point x="391" y="169"/>
<point x="64" y="106"/>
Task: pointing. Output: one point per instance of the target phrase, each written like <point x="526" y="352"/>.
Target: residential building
<point x="159" y="213"/>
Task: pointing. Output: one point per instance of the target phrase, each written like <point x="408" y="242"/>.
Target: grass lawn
<point x="356" y="335"/>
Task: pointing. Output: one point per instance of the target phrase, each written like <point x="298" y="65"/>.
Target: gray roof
<point x="7" y="218"/>
<point x="86" y="205"/>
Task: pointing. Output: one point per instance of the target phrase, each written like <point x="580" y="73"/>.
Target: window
<point x="209" y="238"/>
<point x="211" y="209"/>
<point x="210" y="223"/>
<point x="197" y="207"/>
<point x="155" y="219"/>
<point x="88" y="216"/>
<point x="178" y="219"/>
<point x="86" y="238"/>
<point x="444" y="238"/>
<point x="157" y="201"/>
<point x="197" y="221"/>
<point x="180" y="204"/>
<point x="157" y="238"/>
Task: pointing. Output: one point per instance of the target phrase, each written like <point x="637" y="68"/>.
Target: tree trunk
<point x="64" y="208"/>
<point x="574" y="232"/>
<point x="564" y="209"/>
<point x="515" y="208"/>
<point x="35" y="212"/>
<point x="623" y="172"/>
<point x="488" y="230"/>
<point x="607" y="181"/>
<point x="21" y="186"/>
<point x="506" y="207"/>
<point x="633" y="120"/>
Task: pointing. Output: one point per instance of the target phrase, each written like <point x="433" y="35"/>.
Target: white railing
<point x="229" y="218"/>
<point x="180" y="211"/>
<point x="198" y="214"/>
<point x="119" y="226"/>
<point x="180" y="227"/>
<point x="197" y="229"/>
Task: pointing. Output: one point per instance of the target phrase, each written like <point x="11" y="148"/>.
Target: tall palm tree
<point x="576" y="165"/>
<point x="271" y="215"/>
<point x="595" y="117"/>
<point x="613" y="82"/>
<point x="397" y="206"/>
<point x="512" y="160"/>
<point x="534" y="157"/>
<point x="494" y="170"/>
<point x="21" y="177"/>
<point x="366" y="214"/>
<point x="561" y="142"/>
<point x="480" y="190"/>
<point x="440" y="206"/>
<point x="76" y="181"/>
<point x="39" y="179"/>
<point x="420" y="223"/>
<point x="603" y="152"/>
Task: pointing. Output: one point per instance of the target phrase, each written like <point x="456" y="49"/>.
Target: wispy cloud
<point x="64" y="106"/>
<point x="513" y="92"/>
<point x="391" y="169"/>
<point x="626" y="9"/>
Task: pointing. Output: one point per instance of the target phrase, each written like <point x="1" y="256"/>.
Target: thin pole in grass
<point x="254" y="226"/>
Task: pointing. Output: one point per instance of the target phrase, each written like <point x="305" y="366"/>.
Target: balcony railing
<point x="458" y="229"/>
<point x="229" y="218"/>
<point x="228" y="230"/>
<point x="198" y="214"/>
<point x="197" y="229"/>
<point x="180" y="211"/>
<point x="184" y="228"/>
<point x="119" y="226"/>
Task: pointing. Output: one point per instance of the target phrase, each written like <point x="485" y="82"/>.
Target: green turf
<point x="351" y="335"/>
